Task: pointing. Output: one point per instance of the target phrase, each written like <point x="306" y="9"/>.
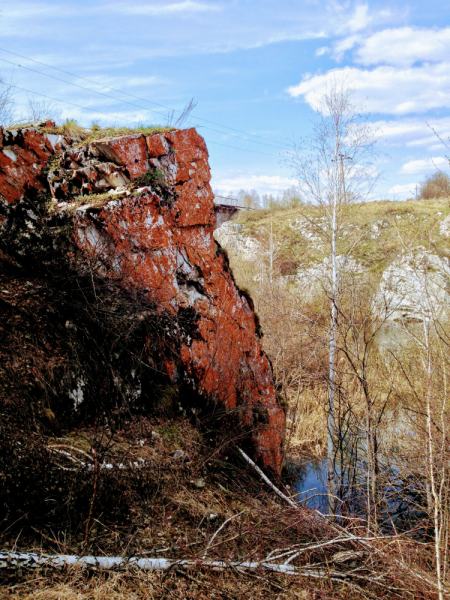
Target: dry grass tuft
<point x="71" y="129"/>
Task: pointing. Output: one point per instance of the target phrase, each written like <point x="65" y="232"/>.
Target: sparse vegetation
<point x="71" y="128"/>
<point x="375" y="225"/>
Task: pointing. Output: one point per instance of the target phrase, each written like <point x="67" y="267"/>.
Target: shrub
<point x="435" y="186"/>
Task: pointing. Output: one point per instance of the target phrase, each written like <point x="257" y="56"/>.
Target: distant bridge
<point x="225" y="211"/>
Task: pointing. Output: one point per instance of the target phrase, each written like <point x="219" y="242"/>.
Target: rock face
<point x="141" y="215"/>
<point x="415" y="287"/>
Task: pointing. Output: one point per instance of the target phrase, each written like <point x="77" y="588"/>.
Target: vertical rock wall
<point x="145" y="220"/>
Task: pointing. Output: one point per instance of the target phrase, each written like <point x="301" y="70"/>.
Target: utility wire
<point x="71" y="103"/>
<point x="116" y="99"/>
<point x="132" y="96"/>
<point x="122" y="118"/>
<point x="243" y="149"/>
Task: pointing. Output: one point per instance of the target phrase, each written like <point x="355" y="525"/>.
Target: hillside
<point x="373" y="233"/>
<point x="394" y="268"/>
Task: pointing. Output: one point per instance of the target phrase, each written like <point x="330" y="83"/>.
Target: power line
<point x="109" y="96"/>
<point x="78" y="86"/>
<point x="132" y="96"/>
<point x="243" y="149"/>
<point x="122" y="118"/>
<point x="71" y="104"/>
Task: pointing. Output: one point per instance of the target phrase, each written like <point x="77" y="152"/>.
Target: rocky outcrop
<point x="415" y="288"/>
<point x="137" y="210"/>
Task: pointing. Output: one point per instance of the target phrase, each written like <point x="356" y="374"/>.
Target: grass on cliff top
<point x="375" y="233"/>
<point x="72" y="129"/>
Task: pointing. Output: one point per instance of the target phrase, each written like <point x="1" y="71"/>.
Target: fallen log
<point x="30" y="560"/>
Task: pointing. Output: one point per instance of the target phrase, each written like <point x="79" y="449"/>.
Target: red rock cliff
<point x="157" y="237"/>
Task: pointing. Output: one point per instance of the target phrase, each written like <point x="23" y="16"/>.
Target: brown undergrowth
<point x="160" y="489"/>
<point x="119" y="480"/>
<point x="193" y="584"/>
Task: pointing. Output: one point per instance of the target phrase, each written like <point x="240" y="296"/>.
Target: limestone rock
<point x="416" y="287"/>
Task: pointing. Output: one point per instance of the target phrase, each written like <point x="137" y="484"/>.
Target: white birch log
<point x="267" y="480"/>
<point x="28" y="560"/>
<point x="90" y="466"/>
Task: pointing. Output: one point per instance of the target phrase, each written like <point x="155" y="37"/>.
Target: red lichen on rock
<point x="164" y="247"/>
<point x="129" y="151"/>
<point x="23" y="154"/>
<point x="157" y="146"/>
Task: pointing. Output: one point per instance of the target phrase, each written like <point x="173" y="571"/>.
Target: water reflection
<point x="309" y="482"/>
<point x="401" y="498"/>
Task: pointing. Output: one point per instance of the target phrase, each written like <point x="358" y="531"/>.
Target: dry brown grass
<point x="195" y="584"/>
<point x="306" y="422"/>
<point x="71" y="129"/>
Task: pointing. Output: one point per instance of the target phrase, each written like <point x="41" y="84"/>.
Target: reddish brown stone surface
<point x="164" y="246"/>
<point x="157" y="146"/>
<point x="23" y="154"/>
<point x="129" y="151"/>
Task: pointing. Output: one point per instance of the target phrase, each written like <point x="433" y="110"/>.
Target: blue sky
<point x="255" y="68"/>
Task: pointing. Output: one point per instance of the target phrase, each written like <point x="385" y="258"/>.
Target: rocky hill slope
<point x="402" y="247"/>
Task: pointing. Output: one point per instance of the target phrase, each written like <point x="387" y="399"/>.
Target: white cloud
<point x="164" y="9"/>
<point x="242" y="24"/>
<point x="424" y="165"/>
<point x="413" y="132"/>
<point x="401" y="47"/>
<point x="408" y="189"/>
<point x="321" y="51"/>
<point x="385" y="89"/>
<point x="263" y="184"/>
<point x="341" y="46"/>
<point x="127" y="82"/>
<point x="360" y="18"/>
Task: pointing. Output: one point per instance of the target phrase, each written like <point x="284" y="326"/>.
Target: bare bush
<point x="6" y="103"/>
<point x="436" y="185"/>
<point x="40" y="110"/>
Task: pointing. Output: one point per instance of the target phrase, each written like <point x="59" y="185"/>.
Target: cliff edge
<point x="132" y="214"/>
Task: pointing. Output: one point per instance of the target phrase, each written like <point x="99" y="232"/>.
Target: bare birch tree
<point x="335" y="167"/>
<point x="6" y="103"/>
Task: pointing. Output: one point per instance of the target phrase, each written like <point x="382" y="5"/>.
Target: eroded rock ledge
<point x="137" y="211"/>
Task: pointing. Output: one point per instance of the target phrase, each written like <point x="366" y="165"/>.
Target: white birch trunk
<point x="332" y="352"/>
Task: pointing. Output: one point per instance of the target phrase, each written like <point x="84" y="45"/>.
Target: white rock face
<point x="416" y="286"/>
<point x="306" y="228"/>
<point x="317" y="279"/>
<point x="444" y="227"/>
<point x="231" y="236"/>
<point x="77" y="395"/>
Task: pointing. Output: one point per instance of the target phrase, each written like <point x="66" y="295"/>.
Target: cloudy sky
<point x="254" y="66"/>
